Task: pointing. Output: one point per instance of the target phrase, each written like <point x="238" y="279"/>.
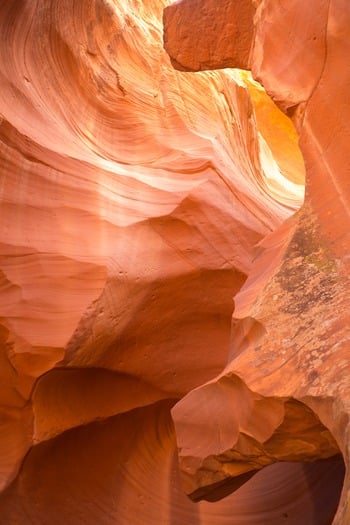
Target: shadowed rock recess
<point x="174" y="328"/>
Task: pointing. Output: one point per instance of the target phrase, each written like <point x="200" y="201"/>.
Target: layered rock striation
<point x="132" y="199"/>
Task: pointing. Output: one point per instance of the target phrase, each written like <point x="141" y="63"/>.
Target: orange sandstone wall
<point x="290" y="342"/>
<point x="132" y="198"/>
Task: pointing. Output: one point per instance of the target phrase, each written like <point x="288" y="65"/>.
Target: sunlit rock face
<point x="132" y="199"/>
<point x="290" y="339"/>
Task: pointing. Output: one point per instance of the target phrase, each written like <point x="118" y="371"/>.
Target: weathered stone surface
<point x="226" y="42"/>
<point x="290" y="338"/>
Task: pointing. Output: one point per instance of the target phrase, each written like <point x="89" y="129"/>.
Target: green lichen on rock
<point x="308" y="272"/>
<point x="321" y="260"/>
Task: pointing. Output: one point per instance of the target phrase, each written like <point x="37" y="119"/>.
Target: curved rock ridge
<point x="246" y="432"/>
<point x="290" y="328"/>
<point x="131" y="198"/>
<point x="138" y="480"/>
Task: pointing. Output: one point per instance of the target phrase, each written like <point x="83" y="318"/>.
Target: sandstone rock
<point x="290" y="335"/>
<point x="132" y="200"/>
<point x="93" y="474"/>
<point x="128" y="216"/>
<point x="225" y="42"/>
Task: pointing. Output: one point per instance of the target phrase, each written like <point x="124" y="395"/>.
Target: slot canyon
<point x="174" y="262"/>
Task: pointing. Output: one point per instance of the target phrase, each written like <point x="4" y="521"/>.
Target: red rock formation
<point x="132" y="198"/>
<point x="119" y="206"/>
<point x="290" y="340"/>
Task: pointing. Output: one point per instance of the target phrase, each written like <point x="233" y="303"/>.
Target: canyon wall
<point x="141" y="208"/>
<point x="290" y="344"/>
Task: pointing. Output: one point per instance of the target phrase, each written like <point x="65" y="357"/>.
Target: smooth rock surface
<point x="128" y="215"/>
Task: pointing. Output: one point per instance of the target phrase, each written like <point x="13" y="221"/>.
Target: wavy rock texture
<point x="132" y="199"/>
<point x="291" y="336"/>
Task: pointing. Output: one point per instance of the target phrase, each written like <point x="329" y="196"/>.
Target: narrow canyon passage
<point x="173" y="323"/>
